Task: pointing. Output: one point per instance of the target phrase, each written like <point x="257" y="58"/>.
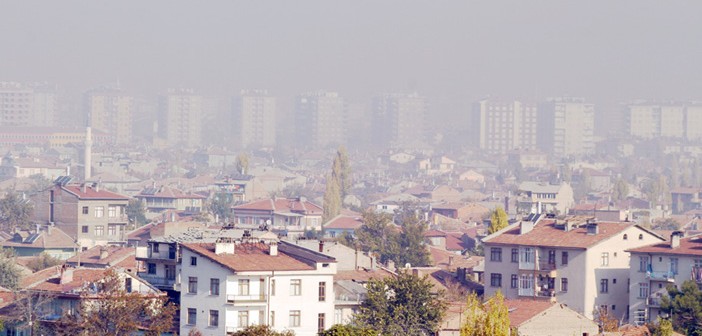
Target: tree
<point x="402" y="305"/>
<point x="10" y="273"/>
<point x="348" y="330"/>
<point x="242" y="163"/>
<point x="664" y="328"/>
<point x="221" y="207"/>
<point x="498" y="220"/>
<point x="15" y="211"/>
<point x="684" y="305"/>
<point x="43" y="261"/>
<point x="262" y="330"/>
<point x="621" y="190"/>
<point x="605" y="319"/>
<point x="113" y="311"/>
<point x="28" y="309"/>
<point x="332" y="199"/>
<point x="344" y="170"/>
<point x="136" y="212"/>
<point x="411" y="240"/>
<point x="373" y="235"/>
<point x="489" y="318"/>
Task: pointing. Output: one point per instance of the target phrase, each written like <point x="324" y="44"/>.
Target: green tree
<point x="242" y="163"/>
<point x="15" y="211"/>
<point x="348" y="330"/>
<point x="684" y="305"/>
<point x="411" y="240"/>
<point x="10" y="273"/>
<point x="136" y="212"/>
<point x="489" y="318"/>
<point x="344" y="170"/>
<point x="262" y="330"/>
<point x="221" y="207"/>
<point x="43" y="261"/>
<point x="498" y="220"/>
<point x="402" y="305"/>
<point x="621" y="190"/>
<point x="664" y="328"/>
<point x="332" y="199"/>
<point x="373" y="235"/>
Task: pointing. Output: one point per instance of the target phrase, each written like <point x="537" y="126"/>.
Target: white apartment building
<point x="180" y="118"/>
<point x="503" y="126"/>
<point x="399" y="120"/>
<point x="110" y="111"/>
<point x="319" y="119"/>
<point x="228" y="285"/>
<point x="23" y="105"/>
<point x="671" y="120"/>
<point x="255" y="118"/>
<point x="656" y="266"/>
<point x="566" y="126"/>
<point x="582" y="264"/>
<point x="543" y="197"/>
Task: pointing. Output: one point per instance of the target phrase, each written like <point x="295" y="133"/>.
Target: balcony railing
<point x="234" y="298"/>
<point x="661" y="276"/>
<point x="156" y="280"/>
<point x="537" y="266"/>
<point x="349" y="299"/>
<point x="530" y="292"/>
<point x="653" y="301"/>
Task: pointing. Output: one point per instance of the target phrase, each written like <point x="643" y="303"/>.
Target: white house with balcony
<point x="231" y="284"/>
<point x="579" y="262"/>
<point x="654" y="267"/>
<point x="289" y="216"/>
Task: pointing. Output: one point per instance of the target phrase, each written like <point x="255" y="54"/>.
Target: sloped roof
<point x="93" y="194"/>
<point x="167" y="192"/>
<point x="115" y="255"/>
<point x="342" y="222"/>
<point x="250" y="257"/>
<point x="282" y="205"/>
<point x="43" y="240"/>
<point x="521" y="311"/>
<point x="688" y="246"/>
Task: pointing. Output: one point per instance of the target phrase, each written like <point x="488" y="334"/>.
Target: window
<point x="243" y="318"/>
<point x="192" y="285"/>
<point x="193" y="261"/>
<point x="99" y="230"/>
<point x="192" y="316"/>
<point x="605" y="259"/>
<point x="294" y="318"/>
<point x="698" y="262"/>
<point x="551" y="257"/>
<point x="513" y="281"/>
<point x="84" y="229"/>
<point x="338" y="313"/>
<point x="322" y="291"/>
<point x="151" y="268"/>
<point x="640" y="236"/>
<point x="495" y="280"/>
<point x="295" y="287"/>
<point x="643" y="264"/>
<point x="155" y="247"/>
<point x="564" y="258"/>
<point x="214" y="286"/>
<point x="272" y="287"/>
<point x="111" y="211"/>
<point x="564" y="284"/>
<point x="243" y="287"/>
<point x="85" y="210"/>
<point x="614" y="307"/>
<point x="99" y="212"/>
<point x="614" y="281"/>
<point x="320" y="322"/>
<point x="515" y="255"/>
<point x="272" y="319"/>
<point x="496" y="254"/>
<point x="214" y="318"/>
<point x="674" y="266"/>
<point x="643" y="290"/>
<point x="626" y="237"/>
<point x="111" y="230"/>
<point x="604" y="286"/>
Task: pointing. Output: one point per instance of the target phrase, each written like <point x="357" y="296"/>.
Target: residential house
<point x="105" y="257"/>
<point x="542" y="197"/>
<point x="578" y="262"/>
<point x="159" y="199"/>
<point x="291" y="216"/>
<point x="44" y="239"/>
<point x="340" y="225"/>
<point x="686" y="199"/>
<point x="229" y="285"/>
<point x="18" y="167"/>
<point x="472" y="175"/>
<point x="545" y="318"/>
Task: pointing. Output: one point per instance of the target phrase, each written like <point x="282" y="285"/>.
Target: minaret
<point x="88" y="154"/>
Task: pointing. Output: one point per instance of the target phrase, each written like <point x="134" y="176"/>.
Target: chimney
<point x="103" y="252"/>
<point x="450" y="261"/>
<point x="525" y="227"/>
<point x="321" y="246"/>
<point x="675" y="238"/>
<point x="273" y="249"/>
<point x="391" y="265"/>
<point x="36" y="228"/>
<point x="225" y="245"/>
<point x="84" y="187"/>
<point x="66" y="275"/>
<point x="592" y="228"/>
<point x="98" y="184"/>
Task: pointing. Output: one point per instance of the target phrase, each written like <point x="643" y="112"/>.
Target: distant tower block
<point x="88" y="153"/>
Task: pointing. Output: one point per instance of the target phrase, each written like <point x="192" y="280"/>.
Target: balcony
<point x="143" y="253"/>
<point x="530" y="292"/>
<point x="248" y="299"/>
<point x="157" y="281"/>
<point x="548" y="268"/>
<point x="349" y="299"/>
<point x="660" y="276"/>
<point x="653" y="302"/>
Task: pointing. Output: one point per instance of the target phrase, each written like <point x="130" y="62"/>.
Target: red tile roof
<point x="250" y="257"/>
<point x="80" y="277"/>
<point x="547" y="234"/>
<point x="521" y="311"/>
<point x="115" y="255"/>
<point x="168" y="192"/>
<point x="344" y="223"/>
<point x="688" y="246"/>
<point x="57" y="239"/>
<point x="363" y="275"/>
<point x="92" y="193"/>
<point x="282" y="205"/>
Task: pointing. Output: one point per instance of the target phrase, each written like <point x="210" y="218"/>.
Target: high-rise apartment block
<point x="110" y="110"/>
<point x="319" y="119"/>
<point x="502" y="126"/>
<point x="23" y="105"/>
<point x="566" y="126"/>
<point x="180" y="118"/>
<point x="671" y="120"/>
<point x="255" y="118"/>
<point x="399" y="120"/>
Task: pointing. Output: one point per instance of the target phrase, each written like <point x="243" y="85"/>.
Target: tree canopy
<point x="403" y="244"/>
<point x="685" y="307"/>
<point x="498" y="220"/>
<point x="15" y="211"/>
<point x="10" y="273"/>
<point x="136" y="212"/>
<point x="262" y="330"/>
<point x="348" y="330"/>
<point x="489" y="318"/>
<point x="402" y="305"/>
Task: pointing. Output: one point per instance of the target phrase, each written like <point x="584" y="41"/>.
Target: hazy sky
<point x="603" y="50"/>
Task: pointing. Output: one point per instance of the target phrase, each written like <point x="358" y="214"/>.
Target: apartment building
<point x="86" y="212"/>
<point x="319" y="119"/>
<point x="228" y="285"/>
<point x="180" y="118"/>
<point x="255" y="118"/>
<point x="159" y="199"/>
<point x="110" y="110"/>
<point x="652" y="268"/>
<point x="399" y="120"/>
<point x="290" y="216"/>
<point x="566" y="126"/>
<point x="502" y="126"/>
<point x="543" y="197"/>
<point x="578" y="262"/>
<point x="16" y="105"/>
<point x="651" y="120"/>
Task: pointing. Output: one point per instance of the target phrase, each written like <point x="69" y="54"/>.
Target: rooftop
<point x="688" y="246"/>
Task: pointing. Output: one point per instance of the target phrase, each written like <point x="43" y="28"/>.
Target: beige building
<point x="319" y="119"/>
<point x="544" y="318"/>
<point x="584" y="265"/>
<point x="110" y="111"/>
<point x="566" y="126"/>
<point x="88" y="213"/>
<point x="505" y="125"/>
<point x="656" y="266"/>
<point x="542" y="197"/>
<point x="399" y="120"/>
<point x="255" y="118"/>
<point x="24" y="105"/>
<point x="671" y="120"/>
<point x="180" y="118"/>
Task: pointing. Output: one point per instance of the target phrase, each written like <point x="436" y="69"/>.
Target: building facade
<point x="180" y="118"/>
<point x="110" y="111"/>
<point x="502" y="126"/>
<point x="319" y="119"/>
<point x="566" y="126"/>
<point x="255" y="118"/>
<point x="399" y="120"/>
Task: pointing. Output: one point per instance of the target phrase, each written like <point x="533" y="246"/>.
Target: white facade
<point x="504" y="126"/>
<point x="567" y="126"/>
<point x="255" y="118"/>
<point x="282" y="299"/>
<point x="399" y="120"/>
<point x="180" y="118"/>
<point x="319" y="118"/>
<point x="110" y="111"/>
